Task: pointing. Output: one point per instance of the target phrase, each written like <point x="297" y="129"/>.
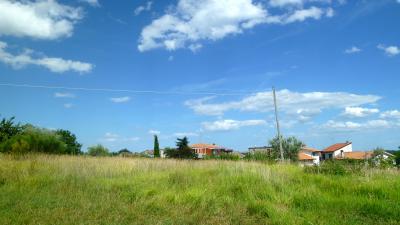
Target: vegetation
<point x="8" y="129"/>
<point x="51" y="189"/>
<point x="183" y="151"/>
<point x="380" y="161"/>
<point x="291" y="147"/>
<point x="156" y="147"/>
<point x="98" y="150"/>
<point x="20" y="139"/>
<point x="224" y="156"/>
<point x="33" y="139"/>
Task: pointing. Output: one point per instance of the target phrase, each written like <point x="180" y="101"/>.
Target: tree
<point x="184" y="151"/>
<point x="156" y="147"/>
<point x="73" y="147"/>
<point x="98" y="150"/>
<point x="9" y="129"/>
<point x="380" y="160"/>
<point x="291" y="147"/>
<point x="171" y="152"/>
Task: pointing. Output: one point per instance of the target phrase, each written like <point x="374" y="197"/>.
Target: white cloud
<point x="186" y="134"/>
<point x="45" y="19"/>
<point x="285" y="3"/>
<point x="120" y="99"/>
<point x="27" y="57"/>
<point x="392" y="114"/>
<point x="193" y="21"/>
<point x="226" y="125"/>
<point x="68" y="105"/>
<point x="111" y="137"/>
<point x="354" y="126"/>
<point x="64" y="95"/>
<point x="154" y="132"/>
<point x="359" y="111"/>
<point x="303" y="14"/>
<point x="389" y="50"/>
<point x="352" y="50"/>
<point x="143" y="8"/>
<point x="288" y="102"/>
<point x="330" y="12"/>
<point x="94" y="3"/>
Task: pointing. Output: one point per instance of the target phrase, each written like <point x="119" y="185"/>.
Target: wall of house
<point x="316" y="158"/>
<point x="338" y="153"/>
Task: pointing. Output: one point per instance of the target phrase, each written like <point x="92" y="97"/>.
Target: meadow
<point x="45" y="189"/>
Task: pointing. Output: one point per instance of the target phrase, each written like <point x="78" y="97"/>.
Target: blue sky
<point x="116" y="74"/>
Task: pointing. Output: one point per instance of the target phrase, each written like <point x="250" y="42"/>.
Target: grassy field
<point x="82" y="190"/>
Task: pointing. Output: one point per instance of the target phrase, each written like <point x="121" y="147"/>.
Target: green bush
<point x="98" y="150"/>
<point x="34" y="140"/>
<point x="338" y="167"/>
<point x="224" y="156"/>
<point x="260" y="156"/>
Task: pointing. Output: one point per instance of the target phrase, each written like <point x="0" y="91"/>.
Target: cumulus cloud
<point x="308" y="103"/>
<point x="352" y="50"/>
<point x="94" y="3"/>
<point x="28" y="57"/>
<point x="193" y="21"/>
<point x="143" y="8"/>
<point x="359" y="111"/>
<point x="389" y="50"/>
<point x="64" y="95"/>
<point x="354" y="126"/>
<point x="45" y="19"/>
<point x="226" y="125"/>
<point x="120" y="99"/>
<point x="392" y="114"/>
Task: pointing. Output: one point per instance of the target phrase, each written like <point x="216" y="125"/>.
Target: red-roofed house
<point x="208" y="149"/>
<point x="337" y="150"/>
<point x="309" y="156"/>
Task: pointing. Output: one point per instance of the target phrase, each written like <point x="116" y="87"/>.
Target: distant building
<point x="337" y="150"/>
<point x="309" y="156"/>
<point x="150" y="153"/>
<point x="202" y="149"/>
<point x="345" y="151"/>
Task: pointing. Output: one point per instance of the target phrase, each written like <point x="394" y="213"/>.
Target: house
<point x="309" y="156"/>
<point x="150" y="153"/>
<point x="202" y="149"/>
<point x="337" y="150"/>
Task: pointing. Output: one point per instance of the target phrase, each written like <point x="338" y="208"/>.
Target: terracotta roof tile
<point x="357" y="155"/>
<point x="336" y="147"/>
<point x="303" y="156"/>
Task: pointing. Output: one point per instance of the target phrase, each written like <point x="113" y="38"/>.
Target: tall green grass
<point x="40" y="189"/>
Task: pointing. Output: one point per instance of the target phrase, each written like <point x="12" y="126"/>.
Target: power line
<point x="233" y="93"/>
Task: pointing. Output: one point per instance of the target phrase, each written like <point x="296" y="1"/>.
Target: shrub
<point x="260" y="156"/>
<point x="338" y="167"/>
<point x="224" y="156"/>
<point x="34" y="140"/>
<point x="73" y="147"/>
<point x="98" y="150"/>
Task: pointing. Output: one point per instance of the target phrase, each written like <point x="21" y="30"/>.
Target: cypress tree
<point x="156" y="147"/>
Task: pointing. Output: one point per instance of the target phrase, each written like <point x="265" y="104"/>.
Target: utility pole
<point x="277" y="125"/>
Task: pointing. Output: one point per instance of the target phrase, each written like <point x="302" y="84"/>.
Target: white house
<point x="309" y="156"/>
<point x="337" y="150"/>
